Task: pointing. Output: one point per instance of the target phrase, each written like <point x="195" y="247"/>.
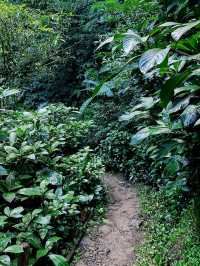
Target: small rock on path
<point x="111" y="244"/>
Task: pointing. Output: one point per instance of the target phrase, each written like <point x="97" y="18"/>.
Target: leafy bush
<point x="48" y="184"/>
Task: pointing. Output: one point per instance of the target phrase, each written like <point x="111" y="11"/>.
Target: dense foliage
<point x="136" y="63"/>
<point x="49" y="183"/>
<point x="150" y="71"/>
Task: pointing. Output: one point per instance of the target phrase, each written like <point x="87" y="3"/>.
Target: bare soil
<point x="112" y="244"/>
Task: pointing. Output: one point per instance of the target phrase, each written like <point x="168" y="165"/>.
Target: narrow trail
<point x="112" y="244"/>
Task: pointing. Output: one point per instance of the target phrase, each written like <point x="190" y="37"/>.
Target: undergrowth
<point x="170" y="235"/>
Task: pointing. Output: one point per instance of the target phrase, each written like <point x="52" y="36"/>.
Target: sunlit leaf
<point x="152" y="58"/>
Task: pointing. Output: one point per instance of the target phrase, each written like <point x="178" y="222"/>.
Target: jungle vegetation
<point x="90" y="85"/>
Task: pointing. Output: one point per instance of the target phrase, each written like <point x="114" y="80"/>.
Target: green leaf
<point x="10" y="149"/>
<point x="12" y="138"/>
<point x="169" y="24"/>
<point x="106" y="90"/>
<point x="43" y="219"/>
<point x="41" y="253"/>
<point x="107" y="41"/>
<point x="3" y="220"/>
<point x="131" y="41"/>
<point x="147" y="132"/>
<point x="51" y="241"/>
<point x="178" y="33"/>
<point x="9" y="196"/>
<point x="31" y="157"/>
<point x="35" y="191"/>
<point x="14" y="249"/>
<point x="152" y="58"/>
<point x="190" y="115"/>
<point x="167" y="91"/>
<point x="3" y="171"/>
<point x="4" y="260"/>
<point x="58" y="260"/>
<point x="9" y="92"/>
<point x="172" y="167"/>
<point x="14" y="213"/>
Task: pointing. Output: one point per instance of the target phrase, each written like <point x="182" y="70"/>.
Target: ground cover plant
<point x="49" y="184"/>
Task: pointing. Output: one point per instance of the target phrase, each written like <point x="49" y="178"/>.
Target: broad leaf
<point x="152" y="58"/>
<point x="178" y="33"/>
<point x="147" y="132"/>
<point x="167" y="91"/>
<point x="190" y="115"/>
<point x="131" y="41"/>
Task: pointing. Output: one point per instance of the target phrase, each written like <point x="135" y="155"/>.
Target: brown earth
<point x="112" y="244"/>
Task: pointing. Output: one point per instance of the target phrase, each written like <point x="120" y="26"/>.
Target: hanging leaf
<point x="178" y="33"/>
<point x="106" y="90"/>
<point x="107" y="41"/>
<point x="167" y="91"/>
<point x="179" y="105"/>
<point x="58" y="260"/>
<point x="131" y="41"/>
<point x="190" y="115"/>
<point x="169" y="24"/>
<point x="152" y="58"/>
<point x="147" y="132"/>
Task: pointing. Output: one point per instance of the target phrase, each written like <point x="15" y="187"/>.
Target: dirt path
<point x="111" y="244"/>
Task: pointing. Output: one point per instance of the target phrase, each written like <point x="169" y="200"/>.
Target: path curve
<point x="111" y="244"/>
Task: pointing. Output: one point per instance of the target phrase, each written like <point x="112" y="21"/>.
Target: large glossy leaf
<point x="131" y="41"/>
<point x="178" y="33"/>
<point x="58" y="260"/>
<point x="152" y="58"/>
<point x="167" y="91"/>
<point x="147" y="132"/>
<point x="190" y="115"/>
<point x="179" y="105"/>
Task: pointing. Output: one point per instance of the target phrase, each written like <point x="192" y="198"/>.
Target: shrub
<point x="48" y="185"/>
